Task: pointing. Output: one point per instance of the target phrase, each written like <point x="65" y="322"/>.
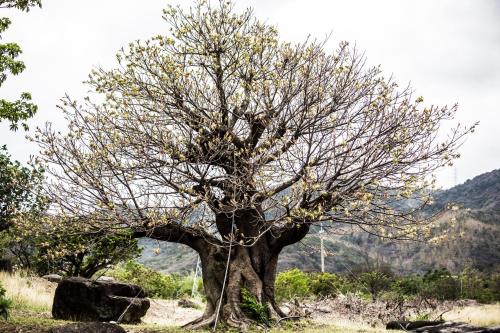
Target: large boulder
<point x="81" y="299"/>
<point x="88" y="328"/>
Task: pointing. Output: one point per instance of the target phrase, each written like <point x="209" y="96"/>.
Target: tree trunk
<point x="252" y="268"/>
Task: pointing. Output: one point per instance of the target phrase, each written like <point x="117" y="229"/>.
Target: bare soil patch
<point x="168" y="313"/>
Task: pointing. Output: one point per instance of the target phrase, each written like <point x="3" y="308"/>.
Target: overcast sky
<point x="449" y="50"/>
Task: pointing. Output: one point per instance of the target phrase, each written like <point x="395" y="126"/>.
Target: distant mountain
<point x="172" y="257"/>
<point x="481" y="194"/>
<point x="472" y="239"/>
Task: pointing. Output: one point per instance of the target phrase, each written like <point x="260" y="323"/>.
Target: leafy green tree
<point x="15" y="112"/>
<point x="407" y="286"/>
<point x="20" y="190"/>
<point x="19" y="185"/>
<point x="44" y="245"/>
<point x="83" y="254"/>
<point x="441" y="284"/>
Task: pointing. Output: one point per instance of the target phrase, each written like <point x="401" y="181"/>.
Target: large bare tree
<point x="225" y="139"/>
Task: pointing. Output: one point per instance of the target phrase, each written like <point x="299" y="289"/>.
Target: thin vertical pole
<point x="321" y="231"/>
<point x="196" y="272"/>
<point x="322" y="256"/>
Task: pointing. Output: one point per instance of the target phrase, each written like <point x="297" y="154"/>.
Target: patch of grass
<point x="479" y="315"/>
<point x="150" y="328"/>
<point x="28" y="293"/>
<point x="28" y="322"/>
<point x="423" y="316"/>
<point x="343" y="325"/>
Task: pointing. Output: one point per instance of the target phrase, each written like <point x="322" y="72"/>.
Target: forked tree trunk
<point x="253" y="268"/>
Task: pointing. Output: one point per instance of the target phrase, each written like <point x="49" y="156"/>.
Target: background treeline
<point x="370" y="284"/>
<point x="438" y="284"/>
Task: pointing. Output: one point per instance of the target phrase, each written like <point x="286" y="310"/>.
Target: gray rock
<point x="94" y="327"/>
<point x="53" y="278"/>
<point x="105" y="278"/>
<point x="85" y="300"/>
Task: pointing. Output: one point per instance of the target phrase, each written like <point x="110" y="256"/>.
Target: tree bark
<point x="253" y="268"/>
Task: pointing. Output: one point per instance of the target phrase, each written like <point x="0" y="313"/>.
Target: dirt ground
<point x="168" y="313"/>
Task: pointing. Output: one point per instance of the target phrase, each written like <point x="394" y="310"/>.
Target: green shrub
<point x="437" y="284"/>
<point x="292" y="284"/>
<point x="185" y="284"/>
<point x="440" y="284"/>
<point x="156" y="284"/>
<point x="375" y="282"/>
<point x="407" y="286"/>
<point x="327" y="284"/>
<point x="253" y="308"/>
<point x="5" y="304"/>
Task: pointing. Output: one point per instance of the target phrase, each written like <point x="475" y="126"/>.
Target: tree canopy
<point x="19" y="186"/>
<point x="222" y="137"/>
<point x="20" y="190"/>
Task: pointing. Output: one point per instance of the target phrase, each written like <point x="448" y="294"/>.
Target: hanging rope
<point x="225" y="275"/>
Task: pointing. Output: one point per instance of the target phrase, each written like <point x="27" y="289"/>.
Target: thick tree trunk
<point x="253" y="268"/>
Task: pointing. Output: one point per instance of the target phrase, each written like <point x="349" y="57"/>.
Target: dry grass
<point x="29" y="293"/>
<point x="345" y="325"/>
<point x="479" y="315"/>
